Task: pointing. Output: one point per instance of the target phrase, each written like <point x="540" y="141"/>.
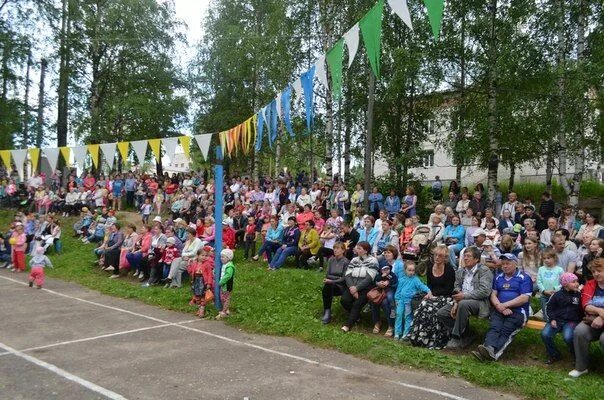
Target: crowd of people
<point x="486" y="260"/>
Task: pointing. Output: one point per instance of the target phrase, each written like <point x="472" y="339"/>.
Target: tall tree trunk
<point x="347" y="111"/>
<point x="461" y="128"/>
<point x="409" y="131"/>
<point x="26" y="102"/>
<point x="549" y="168"/>
<point x="512" y="176"/>
<point x="493" y="163"/>
<point x="96" y="55"/>
<point x="369" y="139"/>
<point x="41" y="94"/>
<point x="6" y="138"/>
<point x="64" y="72"/>
<point x="561" y="65"/>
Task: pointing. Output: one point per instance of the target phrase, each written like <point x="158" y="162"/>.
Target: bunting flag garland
<point x="66" y="153"/>
<point x="203" y="141"/>
<point x="5" y="154"/>
<point x="259" y="129"/>
<point x="52" y="156"/>
<point x="34" y="156"/>
<point x="297" y="85"/>
<point x="123" y="148"/>
<point x="321" y="72"/>
<point x="108" y="150"/>
<point x="93" y="149"/>
<point x="401" y="9"/>
<point x="334" y="60"/>
<point x="79" y="155"/>
<point x="19" y="157"/>
<point x="185" y="142"/>
<point x="435" y="14"/>
<point x="140" y="149"/>
<point x="155" y="145"/>
<point x="286" y="104"/>
<point x="352" y="42"/>
<point x="307" y="85"/>
<point x="371" y="28"/>
<point x="170" y="146"/>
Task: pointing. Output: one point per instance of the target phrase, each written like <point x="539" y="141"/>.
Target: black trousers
<point x="330" y="291"/>
<point x="353" y="306"/>
<point x="324" y="253"/>
<point x="302" y="257"/>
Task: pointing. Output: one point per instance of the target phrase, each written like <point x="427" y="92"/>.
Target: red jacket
<point x="588" y="292"/>
<point x="169" y="254"/>
<point x="205" y="269"/>
<point x="228" y="238"/>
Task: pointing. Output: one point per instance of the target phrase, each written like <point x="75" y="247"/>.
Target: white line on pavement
<point x="265" y="349"/>
<point x="67" y="375"/>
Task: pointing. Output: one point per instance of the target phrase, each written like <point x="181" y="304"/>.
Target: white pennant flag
<point x="140" y="149"/>
<point x="297" y="85"/>
<point x="400" y="8"/>
<point x="52" y="156"/>
<point x="279" y="111"/>
<point x="79" y="155"/>
<point x="352" y="42"/>
<point x="19" y="157"/>
<point x="203" y="141"/>
<point x="170" y="146"/>
<point x="108" y="150"/>
<point x="321" y="71"/>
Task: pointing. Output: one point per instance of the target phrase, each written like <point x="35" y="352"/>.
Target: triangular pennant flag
<point x="371" y="27"/>
<point x="286" y="104"/>
<point x="244" y="137"/>
<point x="401" y="9"/>
<point x="226" y="142"/>
<point x="237" y="136"/>
<point x="321" y="71"/>
<point x="155" y="145"/>
<point x="279" y="112"/>
<point x="352" y="42"/>
<point x="297" y="85"/>
<point x="52" y="156"/>
<point x="274" y="122"/>
<point x="5" y="154"/>
<point x="307" y="85"/>
<point x="185" y="142"/>
<point x="334" y="59"/>
<point x="253" y="128"/>
<point x="435" y="14"/>
<point x="170" y="146"/>
<point x="108" y="150"/>
<point x="34" y="156"/>
<point x="203" y="141"/>
<point x="123" y="148"/>
<point x="19" y="159"/>
<point x="93" y="149"/>
<point x="259" y="129"/>
<point x="79" y="155"/>
<point x="66" y="153"/>
<point x="268" y="120"/>
<point x="140" y="149"/>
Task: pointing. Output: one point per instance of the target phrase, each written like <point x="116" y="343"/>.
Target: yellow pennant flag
<point x="254" y="130"/>
<point x="244" y="137"/>
<point x="5" y="154"/>
<point x="185" y="142"/>
<point x="34" y="156"/>
<point x="222" y="137"/>
<point x="66" y="153"/>
<point x="237" y="137"/>
<point x="93" y="149"/>
<point x="123" y="148"/>
<point x="155" y="145"/>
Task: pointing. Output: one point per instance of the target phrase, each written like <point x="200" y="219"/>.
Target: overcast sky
<point x="192" y="13"/>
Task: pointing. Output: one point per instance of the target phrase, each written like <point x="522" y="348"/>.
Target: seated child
<point x="169" y="253"/>
<point x="96" y="232"/>
<point x="564" y="313"/>
<point x="407" y="234"/>
<point x="408" y="286"/>
<point x="386" y="280"/>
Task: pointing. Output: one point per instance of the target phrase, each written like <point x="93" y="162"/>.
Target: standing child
<point x="564" y="313"/>
<point x="158" y="200"/>
<point x="251" y="234"/>
<point x="37" y="263"/>
<point x="548" y="278"/>
<point x="18" y="243"/>
<point x="227" y="276"/>
<point x="146" y="210"/>
<point x="202" y="273"/>
<point x="408" y="286"/>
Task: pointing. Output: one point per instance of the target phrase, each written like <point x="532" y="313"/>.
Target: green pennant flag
<point x="334" y="60"/>
<point x="435" y="14"/>
<point x="371" y="28"/>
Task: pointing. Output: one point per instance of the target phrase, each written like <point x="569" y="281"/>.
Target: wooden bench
<point x="534" y="324"/>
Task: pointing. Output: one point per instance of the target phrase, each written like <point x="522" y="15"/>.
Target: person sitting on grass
<point x="512" y="290"/>
<point x="592" y="326"/>
<point x="564" y="312"/>
<point x="334" y="282"/>
<point x="291" y="237"/>
<point x="273" y="240"/>
<point x="308" y="245"/>
<point x="386" y="280"/>
<point x="227" y="277"/>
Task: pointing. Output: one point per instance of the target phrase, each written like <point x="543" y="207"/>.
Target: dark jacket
<point x="564" y="306"/>
<point x="353" y="238"/>
<point x="483" y="284"/>
<point x="291" y="236"/>
<point x="336" y="268"/>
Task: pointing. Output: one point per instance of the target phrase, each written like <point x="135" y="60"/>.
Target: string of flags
<point x="240" y="138"/>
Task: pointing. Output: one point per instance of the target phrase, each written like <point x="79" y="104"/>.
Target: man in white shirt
<point x="510" y="205"/>
<point x="546" y="236"/>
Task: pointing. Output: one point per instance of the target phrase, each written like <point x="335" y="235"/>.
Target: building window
<point x="428" y="159"/>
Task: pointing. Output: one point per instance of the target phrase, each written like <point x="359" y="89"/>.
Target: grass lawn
<point x="288" y="303"/>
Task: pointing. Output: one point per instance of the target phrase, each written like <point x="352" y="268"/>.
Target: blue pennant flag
<point x="307" y="86"/>
<point x="259" y="130"/>
<point x="286" y="105"/>
<point x="274" y="122"/>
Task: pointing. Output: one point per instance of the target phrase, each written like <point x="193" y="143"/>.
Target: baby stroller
<point x="420" y="248"/>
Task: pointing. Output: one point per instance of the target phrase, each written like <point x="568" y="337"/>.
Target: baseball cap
<point x="479" y="232"/>
<point x="509" y="257"/>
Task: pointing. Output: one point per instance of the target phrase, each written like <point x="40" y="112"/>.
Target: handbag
<point x="209" y="296"/>
<point x="376" y="295"/>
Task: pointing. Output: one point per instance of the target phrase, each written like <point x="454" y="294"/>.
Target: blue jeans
<point x="403" y="311"/>
<point x="386" y="305"/>
<point x="134" y="259"/>
<point x="454" y="251"/>
<point x="269" y="248"/>
<point x="549" y="333"/>
<point x="281" y="255"/>
<point x="502" y="330"/>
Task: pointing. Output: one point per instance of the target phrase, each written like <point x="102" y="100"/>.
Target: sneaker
<point x="551" y="360"/>
<point x="109" y="268"/>
<point x="576" y="373"/>
<point x="478" y="356"/>
<point x="141" y="277"/>
<point x="397" y="338"/>
<point x="31" y="284"/>
<point x="487" y="352"/>
<point x="135" y="274"/>
<point x="112" y="276"/>
<point x="453" y="344"/>
<point x="145" y="285"/>
<point x="345" y="329"/>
